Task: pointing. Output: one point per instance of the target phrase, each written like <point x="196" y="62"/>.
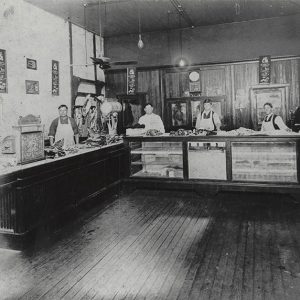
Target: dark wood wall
<point x="232" y="80"/>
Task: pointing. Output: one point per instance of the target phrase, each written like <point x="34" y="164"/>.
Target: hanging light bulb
<point x="140" y="42"/>
<point x="182" y="62"/>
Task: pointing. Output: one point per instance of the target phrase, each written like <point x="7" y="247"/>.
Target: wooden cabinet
<point x="42" y="193"/>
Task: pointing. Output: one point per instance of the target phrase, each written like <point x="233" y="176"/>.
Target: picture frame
<point x="31" y="64"/>
<point x="32" y="87"/>
<point x="178" y="114"/>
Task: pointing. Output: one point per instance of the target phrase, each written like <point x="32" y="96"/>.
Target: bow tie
<point x="206" y="116"/>
<point x="268" y="118"/>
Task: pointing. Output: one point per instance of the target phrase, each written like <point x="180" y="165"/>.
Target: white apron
<point x="268" y="125"/>
<point x="207" y="124"/>
<point x="65" y="131"/>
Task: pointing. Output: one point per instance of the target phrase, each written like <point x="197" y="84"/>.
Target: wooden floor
<point x="165" y="245"/>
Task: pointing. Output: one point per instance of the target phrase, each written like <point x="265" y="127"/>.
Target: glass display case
<point x="207" y="160"/>
<point x="156" y="159"/>
<point x="264" y="161"/>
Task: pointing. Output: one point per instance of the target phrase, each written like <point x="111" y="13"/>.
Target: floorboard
<point x="164" y="245"/>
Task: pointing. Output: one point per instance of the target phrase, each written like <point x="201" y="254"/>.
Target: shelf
<point x="156" y="151"/>
<point x="152" y="174"/>
<point x="156" y="163"/>
<point x="267" y="172"/>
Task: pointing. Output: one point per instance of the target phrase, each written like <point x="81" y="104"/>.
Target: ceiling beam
<point x="179" y="8"/>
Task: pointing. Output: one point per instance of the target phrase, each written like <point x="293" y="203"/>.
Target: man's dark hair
<point x="63" y="105"/>
<point x="207" y="100"/>
<point x="148" y="104"/>
<point x="268" y="103"/>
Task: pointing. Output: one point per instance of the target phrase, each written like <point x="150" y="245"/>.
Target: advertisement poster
<point x="265" y="69"/>
<point x="3" y="72"/>
<point x="131" y="81"/>
<point x="55" y="78"/>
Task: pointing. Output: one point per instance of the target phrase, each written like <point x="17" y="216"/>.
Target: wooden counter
<point x="40" y="192"/>
<point x="241" y="163"/>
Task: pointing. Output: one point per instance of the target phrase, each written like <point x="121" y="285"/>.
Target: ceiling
<point x="119" y="17"/>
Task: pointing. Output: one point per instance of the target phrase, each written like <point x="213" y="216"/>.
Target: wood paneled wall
<point x="230" y="80"/>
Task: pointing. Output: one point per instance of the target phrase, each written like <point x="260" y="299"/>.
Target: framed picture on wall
<point x="177" y="112"/>
<point x="32" y="87"/>
<point x="3" y="72"/>
<point x="31" y="64"/>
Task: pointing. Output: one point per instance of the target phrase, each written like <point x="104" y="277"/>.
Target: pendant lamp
<point x="140" y="43"/>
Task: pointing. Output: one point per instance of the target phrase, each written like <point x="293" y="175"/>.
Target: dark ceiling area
<point x="120" y="17"/>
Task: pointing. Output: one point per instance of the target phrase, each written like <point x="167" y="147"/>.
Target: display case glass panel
<point x="264" y="161"/>
<point x="156" y="159"/>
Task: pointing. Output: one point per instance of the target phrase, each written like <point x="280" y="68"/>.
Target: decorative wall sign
<point x="265" y="69"/>
<point x="3" y="72"/>
<point x="31" y="64"/>
<point x="55" y="78"/>
<point x="131" y="81"/>
<point x="32" y="87"/>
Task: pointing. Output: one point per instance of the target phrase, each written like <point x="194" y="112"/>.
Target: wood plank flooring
<point x="165" y="245"/>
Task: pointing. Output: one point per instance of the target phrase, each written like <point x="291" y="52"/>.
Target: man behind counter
<point x="151" y="120"/>
<point x="208" y="120"/>
<point x="271" y="121"/>
<point x="64" y="127"/>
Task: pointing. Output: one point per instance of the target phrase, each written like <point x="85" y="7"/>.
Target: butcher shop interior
<point x="149" y="149"/>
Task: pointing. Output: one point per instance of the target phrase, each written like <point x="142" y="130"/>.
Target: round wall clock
<point x="194" y="76"/>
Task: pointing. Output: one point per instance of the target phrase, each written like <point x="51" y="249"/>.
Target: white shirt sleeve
<point x="279" y="122"/>
<point x="160" y="125"/>
<point x="216" y="118"/>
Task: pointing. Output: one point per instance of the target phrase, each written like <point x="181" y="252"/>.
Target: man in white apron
<point x="64" y="128"/>
<point x="208" y="120"/>
<point x="271" y="121"/>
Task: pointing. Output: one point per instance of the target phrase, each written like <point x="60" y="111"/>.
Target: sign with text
<point x="265" y="69"/>
<point x="3" y="72"/>
<point x="131" y="81"/>
<point x="55" y="78"/>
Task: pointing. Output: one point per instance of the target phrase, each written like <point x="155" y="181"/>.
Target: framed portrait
<point x="32" y="87"/>
<point x="31" y="64"/>
<point x="177" y="114"/>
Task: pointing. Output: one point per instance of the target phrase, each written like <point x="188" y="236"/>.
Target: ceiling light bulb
<point x="181" y="62"/>
<point x="140" y="42"/>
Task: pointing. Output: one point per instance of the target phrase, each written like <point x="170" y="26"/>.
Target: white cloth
<point x="152" y="121"/>
<point x="207" y="124"/>
<point x="65" y="131"/>
<point x="267" y="124"/>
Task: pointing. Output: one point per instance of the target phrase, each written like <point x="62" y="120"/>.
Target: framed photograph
<point x="32" y="87"/>
<point x="31" y="64"/>
<point x="131" y="81"/>
<point x="178" y="114"/>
